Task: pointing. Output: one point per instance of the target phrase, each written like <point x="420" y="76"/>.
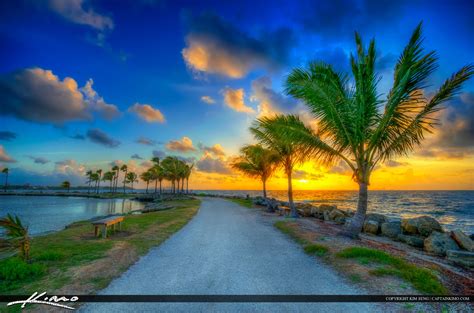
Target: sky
<point x="86" y="84"/>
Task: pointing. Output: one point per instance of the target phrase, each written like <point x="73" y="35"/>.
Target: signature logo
<point x="41" y="298"/>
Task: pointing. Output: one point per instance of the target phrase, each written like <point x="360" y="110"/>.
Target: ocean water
<point x="43" y="214"/>
<point x="453" y="209"/>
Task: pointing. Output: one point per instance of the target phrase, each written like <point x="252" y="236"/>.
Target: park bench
<point x="105" y="223"/>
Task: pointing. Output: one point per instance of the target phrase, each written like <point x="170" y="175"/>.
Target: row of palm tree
<point x="355" y="124"/>
<point x="170" y="168"/>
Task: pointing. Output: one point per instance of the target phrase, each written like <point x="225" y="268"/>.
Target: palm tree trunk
<point x="264" y="181"/>
<point x="187" y="185"/>
<point x="89" y="189"/>
<point x="290" y="196"/>
<point x="98" y="186"/>
<point x="6" y="181"/>
<point x="156" y="182"/>
<point x="124" y="178"/>
<point x="160" y="188"/>
<point x="355" y="226"/>
<point x="147" y="183"/>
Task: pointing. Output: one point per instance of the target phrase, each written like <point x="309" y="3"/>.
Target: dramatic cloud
<point x="146" y="141"/>
<point x="209" y="164"/>
<point x="301" y="174"/>
<point x="215" y="46"/>
<point x="216" y="149"/>
<point x="136" y="156"/>
<point x="270" y="101"/>
<point x="147" y="112"/>
<point x="234" y="99"/>
<point x="4" y="157"/>
<point x="38" y="95"/>
<point x="208" y="100"/>
<point x="97" y="103"/>
<point x="454" y="138"/>
<point x="99" y="137"/>
<point x="39" y="160"/>
<point x="74" y="11"/>
<point x="183" y="145"/>
<point x="341" y="168"/>
<point x="7" y="136"/>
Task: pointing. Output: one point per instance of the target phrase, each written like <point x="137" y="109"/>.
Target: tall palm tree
<point x="89" y="180"/>
<point x="189" y="169"/>
<point x="66" y="185"/>
<point x="17" y="233"/>
<point x="116" y="170"/>
<point x="170" y="171"/>
<point x="5" y="171"/>
<point x="99" y="174"/>
<point x="266" y="130"/>
<point x="359" y="127"/>
<point x="109" y="176"/>
<point x="94" y="177"/>
<point x="146" y="177"/>
<point x="131" y="177"/>
<point x="124" y="169"/>
<point x="257" y="162"/>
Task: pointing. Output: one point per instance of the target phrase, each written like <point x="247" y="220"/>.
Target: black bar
<point x="251" y="298"/>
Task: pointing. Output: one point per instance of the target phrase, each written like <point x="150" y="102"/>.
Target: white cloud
<point x="234" y="99"/>
<point x="148" y="113"/>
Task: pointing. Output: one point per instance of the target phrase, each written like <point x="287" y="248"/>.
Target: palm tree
<point x="353" y="126"/>
<point x="89" y="180"/>
<point x="170" y="170"/>
<point x="124" y="169"/>
<point x="257" y="162"/>
<point x="95" y="178"/>
<point x="131" y="177"/>
<point x="99" y="174"/>
<point x="116" y="170"/>
<point x="5" y="171"/>
<point x="17" y="233"/>
<point x="147" y="177"/>
<point x="109" y="176"/>
<point x="189" y="169"/>
<point x="66" y="185"/>
<point x="266" y="130"/>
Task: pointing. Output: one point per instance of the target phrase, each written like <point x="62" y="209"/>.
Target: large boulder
<point x="259" y="201"/>
<point x="304" y="209"/>
<point x="379" y="218"/>
<point x="463" y="240"/>
<point x="327" y="207"/>
<point x="336" y="214"/>
<point x="326" y="215"/>
<point x="438" y="243"/>
<point x="371" y="227"/>
<point x="317" y="212"/>
<point x="391" y="229"/>
<point x="464" y="258"/>
<point x="272" y="205"/>
<point x="422" y="225"/>
<point x="414" y="241"/>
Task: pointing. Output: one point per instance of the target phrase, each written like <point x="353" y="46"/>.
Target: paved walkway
<point x="229" y="249"/>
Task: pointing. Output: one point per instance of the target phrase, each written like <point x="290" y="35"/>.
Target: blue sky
<point x="170" y="54"/>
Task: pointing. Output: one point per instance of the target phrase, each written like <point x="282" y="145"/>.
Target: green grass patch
<point x="286" y="228"/>
<point x="316" y="249"/>
<point x="55" y="254"/>
<point x="422" y="279"/>
<point x="243" y="202"/>
<point x="356" y="278"/>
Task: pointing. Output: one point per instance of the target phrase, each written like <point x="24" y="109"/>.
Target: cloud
<point x="136" y="156"/>
<point x="37" y="95"/>
<point x="216" y="46"/>
<point x="146" y="141"/>
<point x="39" y="160"/>
<point x="454" y="138"/>
<point x="147" y="112"/>
<point x="234" y="99"/>
<point x="341" y="168"/>
<point x="99" y="137"/>
<point x="183" y="145"/>
<point x="97" y="103"/>
<point x="209" y="164"/>
<point x="4" y="157"/>
<point x="393" y="163"/>
<point x="7" y="136"/>
<point x="74" y="11"/>
<point x="159" y="154"/>
<point x="270" y="101"/>
<point x="216" y="149"/>
<point x="78" y="137"/>
<point x="301" y="174"/>
<point x="208" y="100"/>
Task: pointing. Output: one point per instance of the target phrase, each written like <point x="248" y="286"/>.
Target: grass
<point x="243" y="202"/>
<point x="287" y="229"/>
<point x="421" y="279"/>
<point x="56" y="257"/>
<point x="316" y="249"/>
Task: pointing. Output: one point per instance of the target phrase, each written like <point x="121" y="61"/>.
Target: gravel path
<point x="229" y="249"/>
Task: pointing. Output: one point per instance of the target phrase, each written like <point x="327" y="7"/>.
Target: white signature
<point x="41" y="299"/>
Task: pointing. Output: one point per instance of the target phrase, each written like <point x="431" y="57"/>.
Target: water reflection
<point x="44" y="213"/>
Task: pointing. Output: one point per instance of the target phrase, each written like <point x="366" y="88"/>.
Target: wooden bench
<point x="105" y="223"/>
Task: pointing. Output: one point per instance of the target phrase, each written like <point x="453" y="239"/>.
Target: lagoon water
<point x="453" y="209"/>
<point x="44" y="214"/>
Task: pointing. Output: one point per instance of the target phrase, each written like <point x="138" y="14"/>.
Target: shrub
<point x="15" y="270"/>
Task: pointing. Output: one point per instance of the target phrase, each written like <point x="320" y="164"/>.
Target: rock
<point x="272" y="205"/>
<point x="340" y="220"/>
<point x="471" y="236"/>
<point x="327" y="207"/>
<point x="422" y="225"/>
<point x="371" y="227"/>
<point x="305" y="209"/>
<point x="464" y="258"/>
<point x="335" y="213"/>
<point x="326" y="215"/>
<point x="438" y="243"/>
<point x="316" y="212"/>
<point x="391" y="229"/>
<point x="463" y="240"/>
<point x="259" y="201"/>
<point x="414" y="241"/>
<point x="379" y="218"/>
